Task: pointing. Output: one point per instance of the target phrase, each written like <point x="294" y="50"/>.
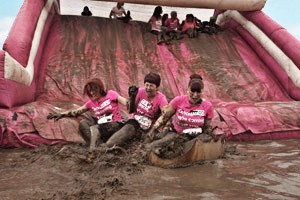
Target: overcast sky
<point x="284" y="12"/>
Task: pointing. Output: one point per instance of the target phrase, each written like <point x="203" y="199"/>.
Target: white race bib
<point x="192" y="131"/>
<point x="105" y="119"/>
<point x="145" y="122"/>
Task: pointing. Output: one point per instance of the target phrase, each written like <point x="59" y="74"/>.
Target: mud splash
<point x="258" y="170"/>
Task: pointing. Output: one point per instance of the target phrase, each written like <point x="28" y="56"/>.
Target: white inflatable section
<point x="241" y="5"/>
<point x="281" y="58"/>
<point x="13" y="70"/>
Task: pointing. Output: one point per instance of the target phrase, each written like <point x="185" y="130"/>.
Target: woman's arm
<point x="122" y="100"/>
<point x="168" y="112"/>
<point x="71" y="113"/>
<point x="207" y="123"/>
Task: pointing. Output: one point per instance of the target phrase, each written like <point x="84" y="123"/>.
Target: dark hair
<point x="164" y="18"/>
<point x="196" y="83"/>
<point x="152" y="78"/>
<point x="157" y="12"/>
<point x="96" y="85"/>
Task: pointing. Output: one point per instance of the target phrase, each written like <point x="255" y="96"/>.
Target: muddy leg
<point x="159" y="38"/>
<point x="161" y="142"/>
<point x="84" y="128"/>
<point x="121" y="136"/>
<point x="179" y="36"/>
<point x="95" y="134"/>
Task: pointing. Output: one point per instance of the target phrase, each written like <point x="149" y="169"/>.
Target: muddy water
<point x="256" y="170"/>
<point x="260" y="170"/>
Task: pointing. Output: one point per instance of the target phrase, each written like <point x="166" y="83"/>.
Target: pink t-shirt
<point x="188" y="115"/>
<point x="155" y="24"/>
<point x="106" y="106"/>
<point x="188" y="25"/>
<point x="172" y="24"/>
<point x="148" y="111"/>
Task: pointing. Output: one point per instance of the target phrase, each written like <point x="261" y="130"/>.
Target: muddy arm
<point x="71" y="113"/>
<point x="131" y="104"/>
<point x="162" y="120"/>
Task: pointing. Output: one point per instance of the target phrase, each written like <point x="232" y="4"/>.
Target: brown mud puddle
<point x="256" y="170"/>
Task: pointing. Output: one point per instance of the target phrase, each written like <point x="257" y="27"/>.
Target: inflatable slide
<point x="250" y="70"/>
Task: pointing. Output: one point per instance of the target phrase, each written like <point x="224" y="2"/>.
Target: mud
<point x="258" y="170"/>
<point x="68" y="172"/>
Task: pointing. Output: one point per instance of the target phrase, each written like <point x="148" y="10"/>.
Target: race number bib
<point x="105" y="119"/>
<point x="145" y="122"/>
<point x="192" y="131"/>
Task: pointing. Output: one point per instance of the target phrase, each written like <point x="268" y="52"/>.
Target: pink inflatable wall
<point x="18" y="45"/>
<point x="281" y="37"/>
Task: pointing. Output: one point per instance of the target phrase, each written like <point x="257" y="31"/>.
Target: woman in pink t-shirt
<point x="156" y="25"/>
<point x="172" y="26"/>
<point x="189" y="26"/>
<point x="148" y="104"/>
<point x="105" y="107"/>
<point x="190" y="112"/>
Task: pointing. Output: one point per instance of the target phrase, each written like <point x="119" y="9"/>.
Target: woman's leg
<point x="95" y="134"/>
<point x="84" y="128"/>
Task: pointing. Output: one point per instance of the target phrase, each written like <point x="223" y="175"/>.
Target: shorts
<point x="108" y="129"/>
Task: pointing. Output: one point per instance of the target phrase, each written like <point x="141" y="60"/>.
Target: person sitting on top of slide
<point x="156" y="25"/>
<point x="118" y="12"/>
<point x="86" y="11"/>
<point x="172" y="25"/>
<point x="189" y="26"/>
<point x="105" y="106"/>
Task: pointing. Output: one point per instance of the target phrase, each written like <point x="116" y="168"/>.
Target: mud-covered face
<point x="151" y="89"/>
<point x="194" y="96"/>
<point x="93" y="93"/>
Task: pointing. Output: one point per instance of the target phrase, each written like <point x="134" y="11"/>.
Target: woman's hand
<point x="55" y="116"/>
<point x="152" y="133"/>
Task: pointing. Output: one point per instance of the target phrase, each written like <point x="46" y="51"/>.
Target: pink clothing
<point x="155" y="24"/>
<point x="148" y="111"/>
<point x="172" y="24"/>
<point x="106" y="106"/>
<point x="188" y="25"/>
<point x="188" y="115"/>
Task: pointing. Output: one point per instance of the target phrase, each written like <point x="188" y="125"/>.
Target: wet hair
<point x="157" y="12"/>
<point x="196" y="83"/>
<point x="152" y="78"/>
<point x="96" y="85"/>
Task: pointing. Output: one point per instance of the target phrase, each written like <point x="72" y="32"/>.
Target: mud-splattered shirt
<point x="106" y="106"/>
<point x="148" y="111"/>
<point x="188" y="115"/>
